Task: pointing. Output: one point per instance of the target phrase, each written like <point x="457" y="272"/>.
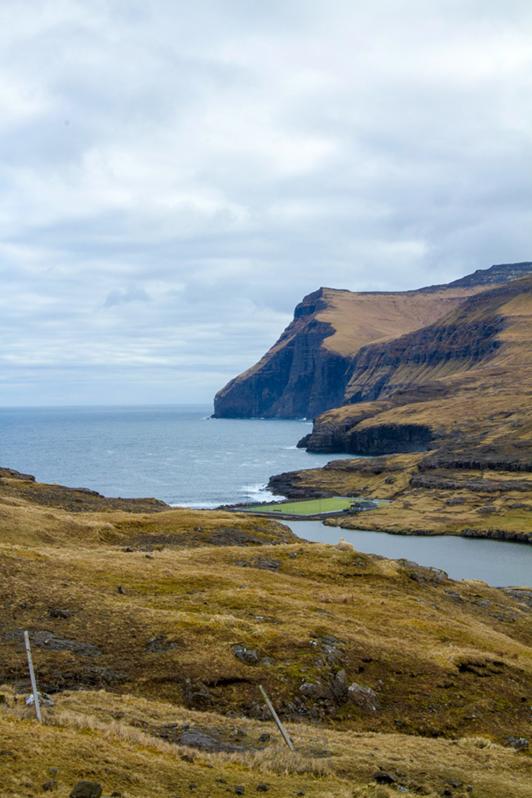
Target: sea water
<point x="178" y="454"/>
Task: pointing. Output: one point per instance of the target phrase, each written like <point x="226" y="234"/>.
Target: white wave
<point x="259" y="493"/>
<point x="197" y="505"/>
<point x="289" y="448"/>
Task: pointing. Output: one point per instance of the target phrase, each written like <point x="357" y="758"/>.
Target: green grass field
<point x="306" y="507"/>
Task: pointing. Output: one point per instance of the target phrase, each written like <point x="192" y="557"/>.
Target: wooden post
<point x="275" y="716"/>
<point x="32" y="677"/>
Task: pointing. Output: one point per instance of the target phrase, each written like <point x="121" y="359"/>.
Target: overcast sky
<point x="176" y="176"/>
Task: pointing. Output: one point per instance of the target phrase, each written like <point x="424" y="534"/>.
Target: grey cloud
<point x="176" y="178"/>
<point x="122" y="296"/>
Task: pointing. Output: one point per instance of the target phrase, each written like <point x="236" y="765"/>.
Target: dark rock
<point x="50" y="785"/>
<point x="519" y="743"/>
<point x="196" y="695"/>
<point x="339" y="687"/>
<point x="244" y="654"/>
<point x="480" y="667"/>
<point x="314" y="690"/>
<point x="262" y="787"/>
<point x="86" y="789"/>
<point x="265" y="738"/>
<point x="383" y="777"/>
<point x="487" y="509"/>
<point x="239" y="790"/>
<point x="203" y="739"/>
<point x="196" y="738"/>
<point x="423" y="574"/>
<point x="50" y="641"/>
<point x="522" y="595"/>
<point x="57" y="612"/>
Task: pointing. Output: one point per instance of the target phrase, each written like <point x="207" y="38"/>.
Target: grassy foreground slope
<point x="152" y="631"/>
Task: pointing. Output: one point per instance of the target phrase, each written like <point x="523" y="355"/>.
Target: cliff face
<point x="297" y="377"/>
<point x="336" y="348"/>
<point x="460" y="387"/>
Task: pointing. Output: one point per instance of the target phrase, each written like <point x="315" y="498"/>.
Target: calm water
<point x="495" y="561"/>
<point x="177" y="454"/>
<point x="182" y="456"/>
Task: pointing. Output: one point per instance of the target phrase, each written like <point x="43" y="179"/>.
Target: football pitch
<point x="305" y="507"/>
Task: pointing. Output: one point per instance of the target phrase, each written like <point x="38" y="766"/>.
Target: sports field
<point x="306" y="507"/>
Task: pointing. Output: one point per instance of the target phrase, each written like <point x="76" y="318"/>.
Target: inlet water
<point x="497" y="562"/>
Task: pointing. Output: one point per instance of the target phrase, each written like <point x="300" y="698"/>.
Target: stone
<point x="86" y="789"/>
<point x="58" y="612"/>
<point x="48" y="640"/>
<point x="50" y="785"/>
<point x="313" y="690"/>
<point x="363" y="697"/>
<point x="382" y="777"/>
<point x="266" y="564"/>
<point x="339" y="687"/>
<point x="519" y="743"/>
<point x="239" y="790"/>
<point x="197" y="738"/>
<point x="245" y="654"/>
<point x="262" y="787"/>
<point x="196" y="695"/>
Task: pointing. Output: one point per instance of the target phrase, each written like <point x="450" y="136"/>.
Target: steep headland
<point x="312" y="365"/>
<point x="151" y="632"/>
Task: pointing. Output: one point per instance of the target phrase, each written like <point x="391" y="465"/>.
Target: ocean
<point x="175" y="453"/>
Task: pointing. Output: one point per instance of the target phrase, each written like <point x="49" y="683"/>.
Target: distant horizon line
<point x="95" y="406"/>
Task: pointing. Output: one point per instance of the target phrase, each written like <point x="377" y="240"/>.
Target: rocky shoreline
<point x="419" y="501"/>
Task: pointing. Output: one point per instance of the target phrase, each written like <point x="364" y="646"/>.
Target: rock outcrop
<point x="450" y="387"/>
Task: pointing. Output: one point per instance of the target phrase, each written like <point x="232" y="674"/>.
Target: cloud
<point x="175" y="179"/>
<point x="121" y="296"/>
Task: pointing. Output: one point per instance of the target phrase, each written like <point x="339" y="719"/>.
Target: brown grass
<point x="164" y="655"/>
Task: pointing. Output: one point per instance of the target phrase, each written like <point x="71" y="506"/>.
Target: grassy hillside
<point x="152" y="632"/>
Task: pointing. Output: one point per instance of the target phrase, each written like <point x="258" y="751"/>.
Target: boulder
<point x="86" y="789"/>
<point x="245" y="654"/>
<point x="363" y="697"/>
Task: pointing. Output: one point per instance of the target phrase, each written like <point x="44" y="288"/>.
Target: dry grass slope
<point x="152" y="632"/>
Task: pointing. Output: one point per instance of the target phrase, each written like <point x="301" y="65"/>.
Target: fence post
<point x="32" y="677"/>
<point x="275" y="716"/>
